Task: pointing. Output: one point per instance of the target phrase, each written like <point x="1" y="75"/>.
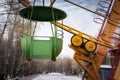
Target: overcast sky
<point x="76" y="18"/>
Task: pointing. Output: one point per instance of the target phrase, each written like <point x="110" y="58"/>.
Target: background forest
<point x="12" y="60"/>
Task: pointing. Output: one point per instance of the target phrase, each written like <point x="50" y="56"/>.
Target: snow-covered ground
<point x="56" y="76"/>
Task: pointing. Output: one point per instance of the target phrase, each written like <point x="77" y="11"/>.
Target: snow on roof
<point x="105" y="66"/>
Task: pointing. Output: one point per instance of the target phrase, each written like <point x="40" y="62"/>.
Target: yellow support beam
<point x="52" y="2"/>
<point x="88" y="64"/>
<point x="26" y="3"/>
<point x="81" y="34"/>
<point x="117" y="73"/>
<point x="110" y="28"/>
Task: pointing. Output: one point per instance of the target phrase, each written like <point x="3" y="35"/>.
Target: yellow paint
<point x="76" y="41"/>
<point x="90" y="46"/>
<point x="88" y="64"/>
<point x="81" y="34"/>
<point x="108" y="31"/>
<point x="117" y="73"/>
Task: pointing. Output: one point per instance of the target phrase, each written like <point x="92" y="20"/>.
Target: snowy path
<point x="56" y="77"/>
<point x="50" y="76"/>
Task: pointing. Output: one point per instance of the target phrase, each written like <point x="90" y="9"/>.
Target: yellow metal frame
<point x="76" y="41"/>
<point x="90" y="46"/>
<point x="87" y="63"/>
<point x="83" y="35"/>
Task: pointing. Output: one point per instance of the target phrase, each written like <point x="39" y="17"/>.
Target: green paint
<point x="42" y="13"/>
<point x="41" y="49"/>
